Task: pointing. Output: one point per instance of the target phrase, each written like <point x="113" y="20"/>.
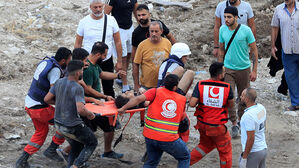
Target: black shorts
<point x="101" y="121"/>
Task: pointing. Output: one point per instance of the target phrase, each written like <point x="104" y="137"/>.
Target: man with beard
<point x="68" y="97"/>
<point x="236" y="58"/>
<point x="253" y="122"/>
<point x="46" y="74"/>
<point x="149" y="56"/>
<point x="122" y="11"/>
<point x="286" y="17"/>
<point x="91" y="77"/>
<point x="212" y="98"/>
<point x="91" y="29"/>
<point x="246" y="17"/>
<point x="142" y="31"/>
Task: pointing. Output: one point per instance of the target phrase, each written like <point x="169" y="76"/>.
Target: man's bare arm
<point x="49" y="98"/>
<point x="78" y="42"/>
<point x="251" y="24"/>
<point x="274" y="35"/>
<point x="253" y="73"/>
<point x="136" y="76"/>
<point x="249" y="143"/>
<point x="221" y="52"/>
<point x="171" y="38"/>
<point x="116" y="37"/>
<point x="216" y="36"/>
<point x="193" y="101"/>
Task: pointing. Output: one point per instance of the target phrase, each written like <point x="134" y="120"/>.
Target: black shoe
<point x="51" y="153"/>
<point x="112" y="155"/>
<point x="22" y="161"/>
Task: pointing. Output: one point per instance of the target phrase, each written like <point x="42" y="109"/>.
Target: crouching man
<point x="68" y="97"/>
<point x="166" y="110"/>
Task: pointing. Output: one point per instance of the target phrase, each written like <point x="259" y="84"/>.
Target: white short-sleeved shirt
<point x="92" y="31"/>
<point x="244" y="10"/>
<point x="172" y="67"/>
<point x="53" y="76"/>
<point x="254" y="119"/>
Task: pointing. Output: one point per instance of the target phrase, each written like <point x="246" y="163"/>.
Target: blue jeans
<point x="82" y="141"/>
<point x="177" y="149"/>
<point x="291" y="69"/>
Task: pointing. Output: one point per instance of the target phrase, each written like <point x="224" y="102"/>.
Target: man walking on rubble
<point x="235" y="40"/>
<point x="212" y="98"/>
<point x="46" y="74"/>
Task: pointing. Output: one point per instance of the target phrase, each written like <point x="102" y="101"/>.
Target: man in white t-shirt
<point x="175" y="65"/>
<point x="246" y="17"/>
<point x="90" y="30"/>
<point x="253" y="140"/>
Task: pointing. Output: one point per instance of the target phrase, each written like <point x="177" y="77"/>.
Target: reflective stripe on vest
<point x="162" y="122"/>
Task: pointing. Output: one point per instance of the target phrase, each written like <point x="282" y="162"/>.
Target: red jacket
<point x="212" y="106"/>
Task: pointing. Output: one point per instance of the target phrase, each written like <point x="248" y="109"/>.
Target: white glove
<point x="243" y="162"/>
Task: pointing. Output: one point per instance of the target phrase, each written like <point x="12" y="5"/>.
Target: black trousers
<point x="108" y="84"/>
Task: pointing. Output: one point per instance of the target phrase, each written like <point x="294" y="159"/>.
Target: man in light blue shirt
<point x="254" y="147"/>
<point x="236" y="60"/>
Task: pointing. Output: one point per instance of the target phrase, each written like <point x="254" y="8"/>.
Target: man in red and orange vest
<point x="212" y="98"/>
<point x="166" y="111"/>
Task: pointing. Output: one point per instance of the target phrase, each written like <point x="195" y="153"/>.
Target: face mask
<point x="97" y="15"/>
<point x="144" y="21"/>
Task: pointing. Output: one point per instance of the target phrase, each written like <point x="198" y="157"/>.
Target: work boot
<point x="51" y="153"/>
<point x="22" y="161"/>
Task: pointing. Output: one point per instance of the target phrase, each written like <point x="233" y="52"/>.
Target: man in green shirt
<point x="91" y="77"/>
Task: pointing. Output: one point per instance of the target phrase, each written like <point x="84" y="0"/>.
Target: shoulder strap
<point x="227" y="3"/>
<point x="105" y="27"/>
<point x="231" y="39"/>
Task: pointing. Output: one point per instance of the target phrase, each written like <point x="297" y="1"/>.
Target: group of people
<point x="70" y="79"/>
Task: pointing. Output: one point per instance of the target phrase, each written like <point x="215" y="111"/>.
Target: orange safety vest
<point x="213" y="98"/>
<point x="164" y="116"/>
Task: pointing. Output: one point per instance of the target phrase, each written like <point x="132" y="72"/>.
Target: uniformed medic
<point x="212" y="98"/>
<point x="46" y="74"/>
<point x="161" y="130"/>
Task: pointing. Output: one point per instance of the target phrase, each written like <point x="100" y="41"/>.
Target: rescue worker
<point x="212" y="98"/>
<point x="47" y="73"/>
<point x="161" y="128"/>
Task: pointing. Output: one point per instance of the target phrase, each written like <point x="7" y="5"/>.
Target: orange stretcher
<point x="109" y="109"/>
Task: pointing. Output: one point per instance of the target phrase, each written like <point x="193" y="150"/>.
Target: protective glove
<point x="243" y="162"/>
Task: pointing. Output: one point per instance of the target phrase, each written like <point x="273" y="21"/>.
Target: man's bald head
<point x="250" y="94"/>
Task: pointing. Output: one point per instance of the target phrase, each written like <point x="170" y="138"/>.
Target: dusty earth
<point x="32" y="29"/>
